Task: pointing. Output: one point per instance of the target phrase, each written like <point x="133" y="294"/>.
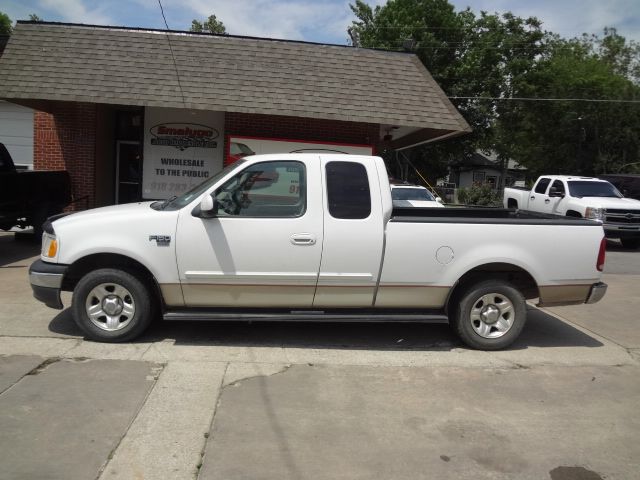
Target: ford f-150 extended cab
<point x="584" y="197"/>
<point x="311" y="237"/>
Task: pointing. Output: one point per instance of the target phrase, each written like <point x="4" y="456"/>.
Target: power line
<point x="175" y="65"/>
<point x="532" y="99"/>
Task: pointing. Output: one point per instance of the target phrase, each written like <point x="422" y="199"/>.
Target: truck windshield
<point x="177" y="203"/>
<point x="592" y="189"/>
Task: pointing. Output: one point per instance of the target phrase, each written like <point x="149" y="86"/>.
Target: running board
<point x="303" y="316"/>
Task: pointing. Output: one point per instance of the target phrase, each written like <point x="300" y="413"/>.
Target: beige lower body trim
<point x="172" y="294"/>
<point x="564" y="294"/>
<point x="218" y="295"/>
<point x="342" y="296"/>
<point x="301" y="296"/>
<point x="411" y="296"/>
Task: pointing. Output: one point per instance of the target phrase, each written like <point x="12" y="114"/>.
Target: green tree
<point x="211" y="25"/>
<point x="581" y="137"/>
<point x="476" y="57"/>
<point x="35" y="18"/>
<point x="6" y="25"/>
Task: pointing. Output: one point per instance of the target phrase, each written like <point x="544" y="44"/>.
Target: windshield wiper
<point x="167" y="202"/>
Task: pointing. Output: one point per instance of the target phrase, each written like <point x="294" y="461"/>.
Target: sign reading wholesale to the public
<point x="182" y="148"/>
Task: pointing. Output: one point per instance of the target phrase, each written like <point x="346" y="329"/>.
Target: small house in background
<point x="484" y="169"/>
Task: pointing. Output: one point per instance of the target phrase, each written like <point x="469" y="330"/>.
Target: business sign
<point x="184" y="135"/>
<point x="182" y="148"/>
<point x="239" y="147"/>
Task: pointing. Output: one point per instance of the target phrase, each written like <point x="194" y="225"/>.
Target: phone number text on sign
<point x="169" y="187"/>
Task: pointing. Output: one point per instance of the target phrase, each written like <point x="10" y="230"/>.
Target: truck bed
<point x="483" y="215"/>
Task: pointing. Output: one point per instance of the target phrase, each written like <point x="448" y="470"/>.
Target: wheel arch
<point x="88" y="263"/>
<point x="520" y="278"/>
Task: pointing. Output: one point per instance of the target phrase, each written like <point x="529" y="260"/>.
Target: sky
<point x="323" y="21"/>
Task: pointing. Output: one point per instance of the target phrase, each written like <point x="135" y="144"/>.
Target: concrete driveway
<point x="299" y="401"/>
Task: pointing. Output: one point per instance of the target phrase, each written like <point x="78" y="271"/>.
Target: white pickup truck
<point x="311" y="237"/>
<point x="582" y="197"/>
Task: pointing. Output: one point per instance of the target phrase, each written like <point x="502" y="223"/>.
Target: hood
<point x="105" y="214"/>
<point x="611" y="202"/>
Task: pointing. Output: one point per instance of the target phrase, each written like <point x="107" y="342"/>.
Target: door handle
<point x="547" y="201"/>
<point x="303" y="239"/>
<point x="533" y="198"/>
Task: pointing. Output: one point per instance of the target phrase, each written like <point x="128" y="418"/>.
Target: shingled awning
<point x="117" y="65"/>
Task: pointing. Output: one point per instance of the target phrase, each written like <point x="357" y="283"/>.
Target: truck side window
<point x="266" y="189"/>
<point x="558" y="185"/>
<point x="542" y="185"/>
<point x="348" y="192"/>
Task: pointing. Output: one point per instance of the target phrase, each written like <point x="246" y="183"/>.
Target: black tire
<point x="630" y="243"/>
<point x="467" y="328"/>
<point x="138" y="295"/>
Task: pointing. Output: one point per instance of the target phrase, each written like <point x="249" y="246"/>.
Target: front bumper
<point x="597" y="292"/>
<point x="613" y="230"/>
<point x="46" y="282"/>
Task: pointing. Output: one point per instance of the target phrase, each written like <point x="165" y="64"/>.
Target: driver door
<point x="262" y="249"/>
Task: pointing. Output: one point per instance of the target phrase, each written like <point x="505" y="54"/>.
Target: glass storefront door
<point x="128" y="171"/>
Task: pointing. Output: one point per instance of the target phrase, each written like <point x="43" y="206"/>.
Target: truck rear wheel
<point x="111" y="305"/>
<point x="489" y="315"/>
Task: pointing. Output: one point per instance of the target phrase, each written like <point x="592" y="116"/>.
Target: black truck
<point x="29" y="197"/>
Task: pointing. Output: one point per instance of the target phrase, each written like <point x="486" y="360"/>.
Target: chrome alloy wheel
<point x="110" y="306"/>
<point x="492" y="315"/>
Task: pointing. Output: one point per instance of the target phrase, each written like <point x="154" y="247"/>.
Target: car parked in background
<point x="413" y="196"/>
<point x="628" y="184"/>
<point x="29" y="197"/>
<point x="238" y="151"/>
<point x="582" y="197"/>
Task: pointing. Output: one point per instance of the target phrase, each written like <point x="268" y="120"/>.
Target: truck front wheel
<point x="111" y="305"/>
<point x="489" y="315"/>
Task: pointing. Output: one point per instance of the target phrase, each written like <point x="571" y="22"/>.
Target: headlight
<point x="49" y="245"/>
<point x="595" y="213"/>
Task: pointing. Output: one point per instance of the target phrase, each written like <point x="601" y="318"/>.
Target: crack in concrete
<point x="42" y="367"/>
<point x="239" y="380"/>
<point x="207" y="435"/>
<point x="157" y="370"/>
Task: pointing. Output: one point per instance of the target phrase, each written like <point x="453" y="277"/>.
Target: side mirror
<point x="206" y="204"/>
<point x="438" y="199"/>
<point x="207" y="208"/>
<point x="554" y="192"/>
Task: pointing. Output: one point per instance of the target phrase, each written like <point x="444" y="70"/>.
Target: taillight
<point x="601" y="255"/>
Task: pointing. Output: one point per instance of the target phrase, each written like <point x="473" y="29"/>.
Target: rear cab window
<point x="542" y="185"/>
<point x="348" y="193"/>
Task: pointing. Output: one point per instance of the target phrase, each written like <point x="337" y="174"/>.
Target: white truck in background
<point x="313" y="237"/>
<point x="582" y="197"/>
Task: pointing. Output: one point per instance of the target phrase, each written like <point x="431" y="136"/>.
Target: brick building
<point x="135" y="114"/>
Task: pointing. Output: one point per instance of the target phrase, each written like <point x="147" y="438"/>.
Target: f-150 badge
<point x="161" y="240"/>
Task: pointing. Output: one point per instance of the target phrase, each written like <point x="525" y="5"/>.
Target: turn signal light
<point x="53" y="248"/>
<point x="49" y="245"/>
<point x="601" y="255"/>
